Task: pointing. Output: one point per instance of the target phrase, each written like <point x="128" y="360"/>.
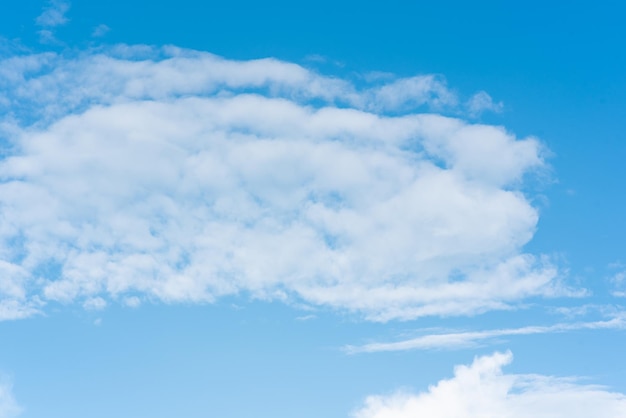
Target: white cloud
<point x="14" y="303"/>
<point x="482" y="390"/>
<point x="472" y="338"/>
<point x="48" y="37"/>
<point x="618" y="280"/>
<point x="132" y="302"/>
<point x="11" y="309"/>
<point x="95" y="304"/>
<point x="8" y="405"/>
<point x="141" y="72"/>
<point x="182" y="176"/>
<point x="54" y="14"/>
<point x="413" y="91"/>
<point x="481" y="102"/>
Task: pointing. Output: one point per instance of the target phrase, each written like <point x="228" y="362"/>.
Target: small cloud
<point x="374" y="76"/>
<point x="306" y="317"/>
<point x="412" y="92"/>
<point x="18" y="309"/>
<point x="8" y="405"/>
<point x="321" y="59"/>
<point x="47" y="37"/>
<point x="54" y="14"/>
<point x="100" y="30"/>
<point x="95" y="304"/>
<point x="618" y="280"/>
<point x="571" y="312"/>
<point x="132" y="302"/>
<point x="481" y="102"/>
<point x="316" y="58"/>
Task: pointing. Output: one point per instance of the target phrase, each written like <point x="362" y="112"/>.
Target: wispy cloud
<point x="413" y="91"/>
<point x="52" y="16"/>
<point x="11" y="308"/>
<point x="618" y="279"/>
<point x="456" y="340"/>
<point x="100" y="30"/>
<point x="183" y="176"/>
<point x="482" y="102"/>
<point x="95" y="304"/>
<point x="482" y="389"/>
<point x="8" y="405"/>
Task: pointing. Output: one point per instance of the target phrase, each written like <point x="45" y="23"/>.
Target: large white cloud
<point x="482" y="390"/>
<point x="181" y="176"/>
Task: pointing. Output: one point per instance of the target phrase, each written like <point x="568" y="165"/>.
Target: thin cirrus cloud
<point x="179" y="176"/>
<point x="482" y="389"/>
<point x="457" y="340"/>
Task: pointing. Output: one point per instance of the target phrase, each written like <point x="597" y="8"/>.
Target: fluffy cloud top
<point x="482" y="390"/>
<point x="181" y="176"/>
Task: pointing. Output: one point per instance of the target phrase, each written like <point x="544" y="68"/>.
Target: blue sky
<point x="305" y="210"/>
